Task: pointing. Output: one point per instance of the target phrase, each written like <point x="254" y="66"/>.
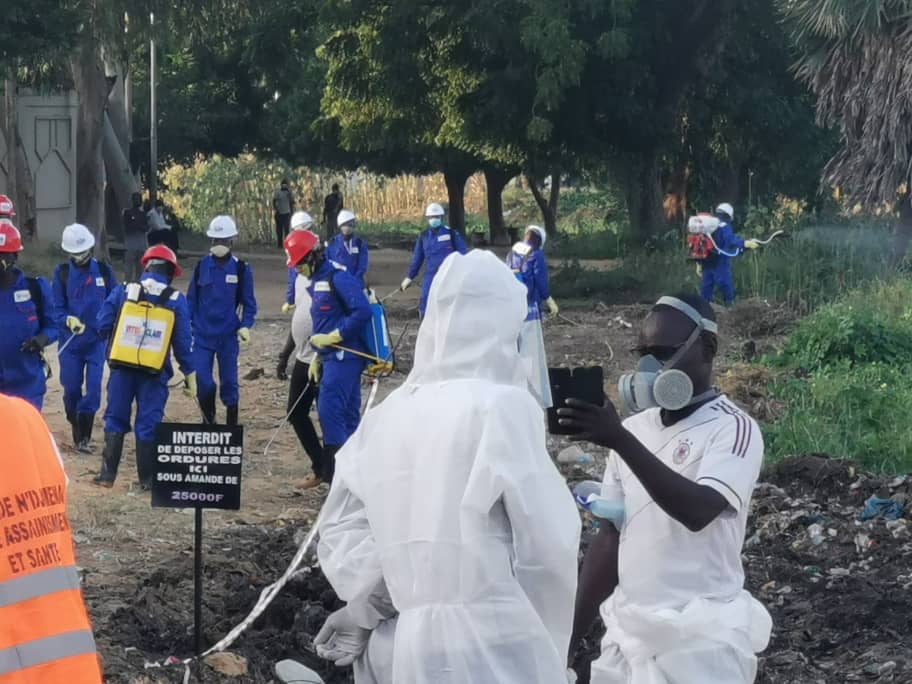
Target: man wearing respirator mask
<point x="80" y="286"/>
<point x="670" y="581"/>
<point x="224" y="308"/>
<point x="434" y="245"/>
<point x="348" y="249"/>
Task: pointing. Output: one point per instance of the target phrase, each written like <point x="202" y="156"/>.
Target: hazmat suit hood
<point x="476" y="308"/>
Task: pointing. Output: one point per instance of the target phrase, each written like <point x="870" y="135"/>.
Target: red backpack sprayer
<point x="701" y="245"/>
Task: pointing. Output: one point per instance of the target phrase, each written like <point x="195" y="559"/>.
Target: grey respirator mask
<point x="660" y="384"/>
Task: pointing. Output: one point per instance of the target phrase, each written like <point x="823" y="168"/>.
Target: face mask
<point x="435" y="222"/>
<point x="82" y="259"/>
<point x="219" y="251"/>
<point x="6" y="264"/>
<point x="660" y="384"/>
<point x="347" y="229"/>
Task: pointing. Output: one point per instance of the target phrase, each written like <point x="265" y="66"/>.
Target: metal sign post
<point x="198" y="466"/>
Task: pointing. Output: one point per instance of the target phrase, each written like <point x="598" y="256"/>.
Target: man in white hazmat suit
<point x="667" y="572"/>
<point x="447" y="511"/>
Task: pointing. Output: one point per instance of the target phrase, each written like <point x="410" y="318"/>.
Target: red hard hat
<point x="164" y="253"/>
<point x="10" y="239"/>
<point x="6" y="206"/>
<point x="299" y="244"/>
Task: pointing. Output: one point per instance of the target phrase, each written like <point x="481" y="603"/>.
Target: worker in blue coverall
<point x="28" y="322"/>
<point x="433" y="246"/>
<point x="340" y="312"/>
<point x="80" y="287"/>
<point x="223" y="309"/>
<point x="148" y="390"/>
<point x="300" y="220"/>
<point x="716" y="270"/>
<point x="347" y="249"/>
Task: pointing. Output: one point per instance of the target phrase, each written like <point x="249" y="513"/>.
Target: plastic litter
<point x="573" y="454"/>
<point x="876" y="507"/>
<point x="292" y="672"/>
<point x="588" y="495"/>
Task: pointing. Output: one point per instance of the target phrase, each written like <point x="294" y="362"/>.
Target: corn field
<point x="243" y="187"/>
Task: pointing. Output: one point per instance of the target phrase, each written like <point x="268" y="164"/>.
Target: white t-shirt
<point x="301" y="321"/>
<point x="662" y="564"/>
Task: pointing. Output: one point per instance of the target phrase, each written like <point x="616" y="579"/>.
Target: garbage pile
<point x="837" y="586"/>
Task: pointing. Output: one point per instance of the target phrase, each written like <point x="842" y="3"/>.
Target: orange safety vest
<point x="45" y="633"/>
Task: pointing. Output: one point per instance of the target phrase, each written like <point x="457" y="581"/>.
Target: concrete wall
<point x="47" y="124"/>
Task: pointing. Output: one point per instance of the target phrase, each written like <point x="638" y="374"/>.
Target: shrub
<point x="869" y="325"/>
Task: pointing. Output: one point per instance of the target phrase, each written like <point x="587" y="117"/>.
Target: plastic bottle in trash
<point x="573" y="454"/>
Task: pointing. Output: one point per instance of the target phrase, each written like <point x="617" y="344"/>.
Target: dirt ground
<point x="830" y="626"/>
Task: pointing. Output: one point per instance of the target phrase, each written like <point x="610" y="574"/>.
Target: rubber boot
<point x="145" y="463"/>
<point x="232" y="415"/>
<point x="110" y="459"/>
<point x="207" y="406"/>
<point x="73" y="420"/>
<point x="85" y="422"/>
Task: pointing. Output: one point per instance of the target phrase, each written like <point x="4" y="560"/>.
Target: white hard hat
<point x="222" y="227"/>
<point x="727" y="209"/>
<point x="434" y="209"/>
<point x="301" y="220"/>
<point x="541" y="233"/>
<point x="344" y="217"/>
<point x="77" y="239"/>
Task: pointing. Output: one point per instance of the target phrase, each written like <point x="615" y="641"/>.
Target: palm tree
<point x="856" y="56"/>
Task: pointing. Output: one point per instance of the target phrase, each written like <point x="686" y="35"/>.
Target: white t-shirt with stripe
<point x="662" y="564"/>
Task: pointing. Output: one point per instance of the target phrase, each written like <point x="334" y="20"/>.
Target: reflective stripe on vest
<point x="38" y="584"/>
<point x="46" y="650"/>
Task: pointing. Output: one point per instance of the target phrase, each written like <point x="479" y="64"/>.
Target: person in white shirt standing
<point x="668" y="576"/>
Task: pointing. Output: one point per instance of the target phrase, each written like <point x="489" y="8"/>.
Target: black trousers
<point x="300" y="416"/>
<point x="282" y="227"/>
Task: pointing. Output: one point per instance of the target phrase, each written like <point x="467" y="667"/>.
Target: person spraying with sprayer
<point x="713" y="244"/>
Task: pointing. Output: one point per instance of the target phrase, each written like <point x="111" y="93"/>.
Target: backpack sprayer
<point x="702" y="245"/>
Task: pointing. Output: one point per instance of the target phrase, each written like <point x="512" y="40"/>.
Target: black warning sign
<point x="198" y="466"/>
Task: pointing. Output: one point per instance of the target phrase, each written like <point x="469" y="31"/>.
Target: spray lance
<point x="700" y="238"/>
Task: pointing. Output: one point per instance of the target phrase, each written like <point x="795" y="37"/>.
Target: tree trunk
<point x="675" y="203"/>
<point x="902" y="232"/>
<point x="496" y="180"/>
<point x="548" y="207"/>
<point x="116" y="135"/>
<point x="455" y="180"/>
<point x="89" y="82"/>
<point x="644" y="198"/>
<point x="20" y="185"/>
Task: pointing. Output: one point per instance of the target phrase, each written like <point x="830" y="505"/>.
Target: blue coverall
<point x="22" y="373"/>
<point x="149" y="391"/>
<point x="434" y="245"/>
<point x="351" y="252"/>
<point x="82" y="361"/>
<point x="532" y="271"/>
<point x="717" y="271"/>
<point x="214" y="310"/>
<point x="341" y="306"/>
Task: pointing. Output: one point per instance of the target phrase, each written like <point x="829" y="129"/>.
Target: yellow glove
<point x="699" y="270"/>
<point x="76" y="326"/>
<point x="315" y="371"/>
<point x="286" y="307"/>
<point x="321" y="340"/>
<point x="751" y="244"/>
<point x="405" y="284"/>
<point x="552" y="306"/>
<point x="243" y="335"/>
<point x="190" y="387"/>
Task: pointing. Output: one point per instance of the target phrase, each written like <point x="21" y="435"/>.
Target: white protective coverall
<point x="446" y="496"/>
